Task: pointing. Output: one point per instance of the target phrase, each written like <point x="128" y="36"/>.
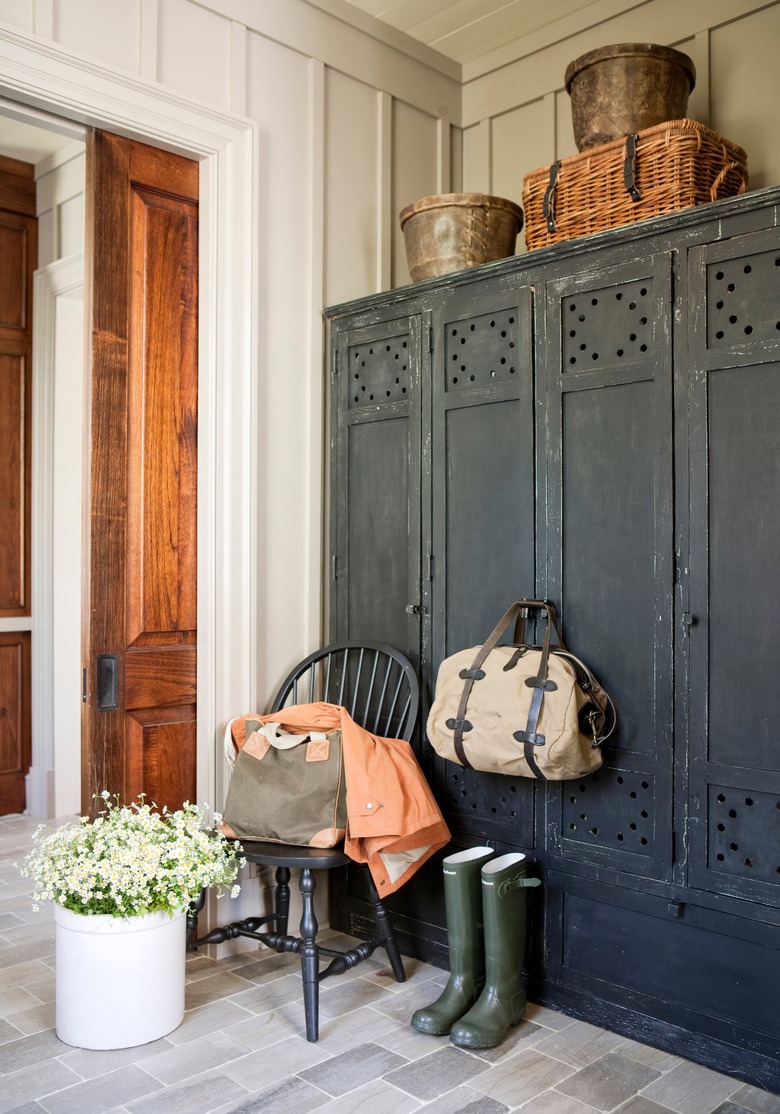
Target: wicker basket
<point x="659" y="170"/>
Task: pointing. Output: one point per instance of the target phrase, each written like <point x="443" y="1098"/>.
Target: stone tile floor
<point x="241" y="1046"/>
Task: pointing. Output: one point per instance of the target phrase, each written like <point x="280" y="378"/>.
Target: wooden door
<point x="18" y="257"/>
<point x="138" y="729"/>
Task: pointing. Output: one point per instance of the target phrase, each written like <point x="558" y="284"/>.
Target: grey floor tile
<point x="653" y="1057"/>
<point x="8" y="1032"/>
<point x="343" y="997"/>
<point x="641" y="1105"/>
<point x="580" y="1044"/>
<point x="608" y="1082"/>
<point x="294" y="1096"/>
<point x="222" y="985"/>
<point x="267" y="1066"/>
<point x="691" y="1089"/>
<point x="350" y="1070"/>
<point x="552" y="1102"/>
<point x="730" y="1107"/>
<point x="437" y="1072"/>
<point x="15" y="999"/>
<point x="35" y="1019"/>
<point x="523" y="1077"/>
<point x="97" y="1095"/>
<point x="26" y="1051"/>
<point x="269" y="996"/>
<point x="210" y="1018"/>
<point x="34" y="1082"/>
<point x="463" y="1100"/>
<point x="377" y="1097"/>
<point x="756" y="1100"/>
<point x="90" y="1063"/>
<point x="196" y="1095"/>
<point x="185" y="1060"/>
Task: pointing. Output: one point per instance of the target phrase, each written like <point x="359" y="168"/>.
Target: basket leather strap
<point x="629" y="169"/>
<point x="548" y="201"/>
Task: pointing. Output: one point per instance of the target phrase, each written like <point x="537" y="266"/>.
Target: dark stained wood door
<point x="18" y="258"/>
<point x="140" y="629"/>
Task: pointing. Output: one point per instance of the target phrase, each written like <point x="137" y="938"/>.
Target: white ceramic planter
<point x="119" y="982"/>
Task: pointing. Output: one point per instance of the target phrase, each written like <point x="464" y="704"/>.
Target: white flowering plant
<point x="131" y="860"/>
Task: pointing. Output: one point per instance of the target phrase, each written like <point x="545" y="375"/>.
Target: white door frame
<point x="41" y="74"/>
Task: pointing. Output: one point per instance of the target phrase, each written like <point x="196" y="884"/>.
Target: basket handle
<point x="629" y="169"/>
<point x="548" y="202"/>
<point x="715" y="187"/>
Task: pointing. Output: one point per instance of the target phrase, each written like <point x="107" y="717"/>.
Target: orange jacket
<point x="393" y="821"/>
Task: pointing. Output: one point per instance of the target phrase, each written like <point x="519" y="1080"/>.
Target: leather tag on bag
<point x="318" y="750"/>
<point x="256" y="745"/>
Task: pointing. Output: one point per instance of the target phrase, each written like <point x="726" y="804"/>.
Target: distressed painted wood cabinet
<point x="597" y="423"/>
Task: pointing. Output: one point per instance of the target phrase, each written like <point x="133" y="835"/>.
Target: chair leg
<point x="384" y="928"/>
<point x="282" y="899"/>
<point x="310" y="963"/>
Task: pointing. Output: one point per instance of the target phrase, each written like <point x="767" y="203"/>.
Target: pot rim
<point x="628" y="50"/>
<point x="459" y="200"/>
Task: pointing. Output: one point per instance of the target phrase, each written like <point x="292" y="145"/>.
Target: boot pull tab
<point x="519" y="882"/>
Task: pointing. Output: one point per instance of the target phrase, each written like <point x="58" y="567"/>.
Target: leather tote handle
<point x="475" y="673"/>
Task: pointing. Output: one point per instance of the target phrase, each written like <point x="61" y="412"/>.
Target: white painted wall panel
<point x="414" y="174"/>
<point x="106" y="31"/>
<point x="745" y="90"/>
<point x="522" y="141"/>
<point x="194" y="51"/>
<point x="351" y="188"/>
<point x="60" y="203"/>
<point x="17" y="13"/>
<point x="278" y="97"/>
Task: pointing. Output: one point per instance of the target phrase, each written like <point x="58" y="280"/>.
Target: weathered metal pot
<point x="621" y="89"/>
<point x="451" y="231"/>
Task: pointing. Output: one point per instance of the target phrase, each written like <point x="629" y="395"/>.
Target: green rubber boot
<point x="502" y="1002"/>
<point x="465" y="940"/>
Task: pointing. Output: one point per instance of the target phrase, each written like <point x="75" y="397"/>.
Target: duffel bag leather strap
<point x="460" y="724"/>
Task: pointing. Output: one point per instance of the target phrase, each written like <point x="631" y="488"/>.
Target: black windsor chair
<point x="378" y="687"/>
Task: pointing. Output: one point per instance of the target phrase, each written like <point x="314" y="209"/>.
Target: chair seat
<point x="298" y="858"/>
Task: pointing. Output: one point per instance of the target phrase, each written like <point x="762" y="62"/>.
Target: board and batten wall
<point x="350" y="128"/>
<point x="517" y="114"/>
<point x="353" y="122"/>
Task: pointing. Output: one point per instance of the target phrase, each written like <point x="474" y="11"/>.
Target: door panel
<point x="15" y="719"/>
<point x="481" y="493"/>
<point x="376" y="510"/>
<point x="734" y="637"/>
<point x="143" y="235"/>
<point x="610" y="545"/>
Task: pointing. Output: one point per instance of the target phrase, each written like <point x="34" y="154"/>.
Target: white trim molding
<point x="55" y="281"/>
<point x="39" y="73"/>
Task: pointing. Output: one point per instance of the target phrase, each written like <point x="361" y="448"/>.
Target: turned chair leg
<point x="310" y="952"/>
<point x="384" y="928"/>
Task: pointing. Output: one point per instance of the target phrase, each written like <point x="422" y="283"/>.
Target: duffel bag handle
<point x="475" y="673"/>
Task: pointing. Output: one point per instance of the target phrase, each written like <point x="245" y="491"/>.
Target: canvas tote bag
<point x="286" y="788"/>
<point x="522" y="710"/>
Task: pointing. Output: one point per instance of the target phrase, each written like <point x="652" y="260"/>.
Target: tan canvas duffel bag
<point x="522" y="710"/>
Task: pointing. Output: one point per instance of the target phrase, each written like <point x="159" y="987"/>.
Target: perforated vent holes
<point x="604" y="328"/>
<point x="466" y="795"/>
<point x="379" y="372"/>
<point x="744" y="833"/>
<point x="481" y="350"/>
<point x="612" y="809"/>
<point x="743" y="300"/>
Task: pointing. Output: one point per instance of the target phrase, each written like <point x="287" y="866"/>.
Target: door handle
<point x="107" y="682"/>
